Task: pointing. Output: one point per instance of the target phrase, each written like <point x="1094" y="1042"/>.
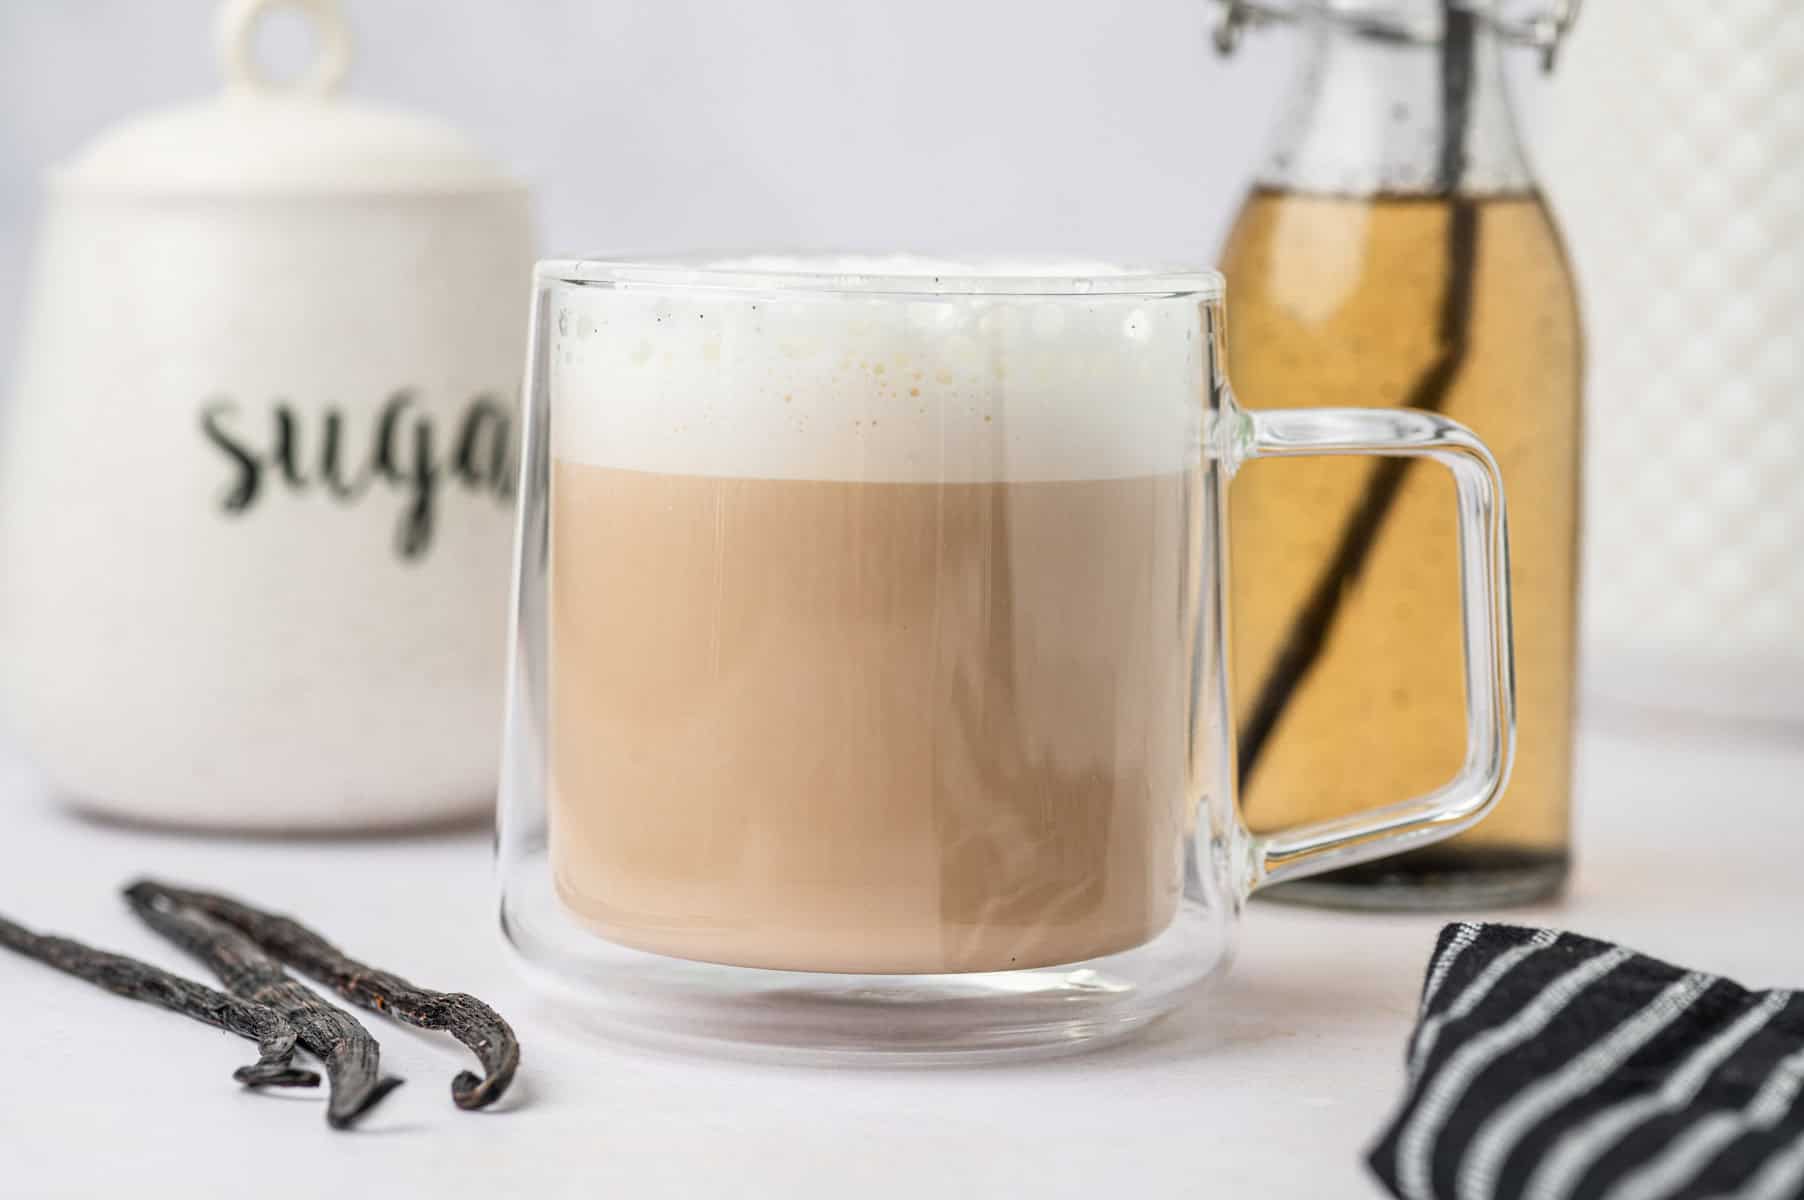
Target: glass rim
<point x="883" y="274"/>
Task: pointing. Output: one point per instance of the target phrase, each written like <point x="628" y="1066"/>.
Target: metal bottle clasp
<point x="1542" y="30"/>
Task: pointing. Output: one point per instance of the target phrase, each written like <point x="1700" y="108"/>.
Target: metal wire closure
<point x="1542" y="30"/>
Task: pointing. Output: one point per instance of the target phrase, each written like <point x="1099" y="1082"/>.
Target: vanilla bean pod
<point x="274" y="1034"/>
<point x="1307" y="636"/>
<point x="464" y="1017"/>
<point x="352" y="1059"/>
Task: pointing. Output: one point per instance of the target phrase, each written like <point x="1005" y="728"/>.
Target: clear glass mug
<point x="868" y="692"/>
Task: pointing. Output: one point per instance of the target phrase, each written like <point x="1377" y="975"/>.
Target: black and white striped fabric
<point x="1546" y="1065"/>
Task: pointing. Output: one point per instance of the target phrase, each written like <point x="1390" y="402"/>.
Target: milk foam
<point x="857" y="386"/>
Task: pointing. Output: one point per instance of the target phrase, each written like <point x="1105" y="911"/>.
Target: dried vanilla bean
<point x="1307" y="636"/>
<point x="352" y="1059"/>
<point x="464" y="1017"/>
<point x="122" y="976"/>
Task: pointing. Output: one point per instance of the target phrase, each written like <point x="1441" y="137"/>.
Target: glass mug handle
<point x="1317" y="846"/>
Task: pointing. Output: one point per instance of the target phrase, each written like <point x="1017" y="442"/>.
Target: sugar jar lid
<point x="264" y="137"/>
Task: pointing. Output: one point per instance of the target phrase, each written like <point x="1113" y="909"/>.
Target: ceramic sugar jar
<point x="255" y="478"/>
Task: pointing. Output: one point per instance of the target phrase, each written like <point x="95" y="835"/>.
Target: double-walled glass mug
<point x="868" y="691"/>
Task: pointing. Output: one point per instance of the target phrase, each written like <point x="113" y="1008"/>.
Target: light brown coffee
<point x="870" y="727"/>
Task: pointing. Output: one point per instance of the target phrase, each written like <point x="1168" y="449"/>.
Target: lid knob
<point x="234" y="33"/>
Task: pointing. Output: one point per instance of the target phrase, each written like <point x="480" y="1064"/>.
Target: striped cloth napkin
<point x="1546" y="1065"/>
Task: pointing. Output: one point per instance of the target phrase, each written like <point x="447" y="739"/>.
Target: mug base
<point x="871" y="1019"/>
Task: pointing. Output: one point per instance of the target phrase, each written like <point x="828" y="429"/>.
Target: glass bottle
<point x="1395" y="250"/>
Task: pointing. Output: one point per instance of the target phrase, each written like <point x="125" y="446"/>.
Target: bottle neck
<point x="1376" y="113"/>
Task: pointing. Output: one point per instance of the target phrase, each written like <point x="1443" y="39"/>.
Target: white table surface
<point x="1690" y="847"/>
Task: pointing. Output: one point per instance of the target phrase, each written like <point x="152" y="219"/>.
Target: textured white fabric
<point x="1673" y="154"/>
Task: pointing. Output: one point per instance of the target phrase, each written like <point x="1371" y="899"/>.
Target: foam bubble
<point x="846" y="386"/>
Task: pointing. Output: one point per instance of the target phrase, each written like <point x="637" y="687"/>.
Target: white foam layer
<point x="876" y="388"/>
<point x="915" y="266"/>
